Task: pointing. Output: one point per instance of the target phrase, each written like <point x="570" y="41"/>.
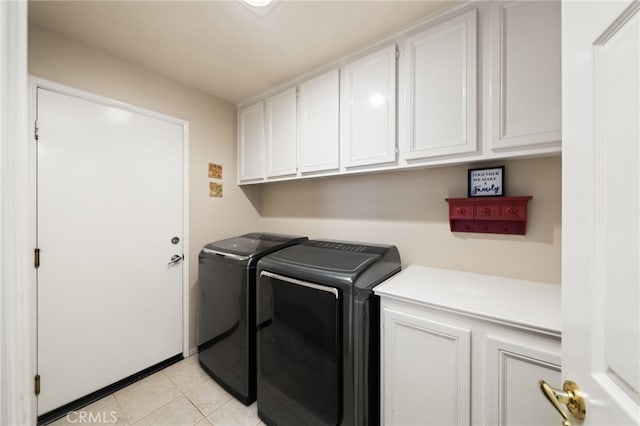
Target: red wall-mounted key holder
<point x="489" y="215"/>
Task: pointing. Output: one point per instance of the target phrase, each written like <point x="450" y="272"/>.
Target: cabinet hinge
<point x="37" y="384"/>
<point x="36" y="130"/>
<point x="397" y="53"/>
<point x="36" y="257"/>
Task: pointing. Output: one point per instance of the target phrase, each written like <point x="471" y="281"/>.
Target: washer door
<point x="300" y="351"/>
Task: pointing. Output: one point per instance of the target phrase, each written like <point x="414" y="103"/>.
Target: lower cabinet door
<point x="513" y="372"/>
<point x="426" y="371"/>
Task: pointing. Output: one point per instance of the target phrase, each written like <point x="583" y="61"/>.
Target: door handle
<point x="569" y="396"/>
<point x="176" y="258"/>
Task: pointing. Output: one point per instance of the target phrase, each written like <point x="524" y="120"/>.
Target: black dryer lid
<point x="253" y="244"/>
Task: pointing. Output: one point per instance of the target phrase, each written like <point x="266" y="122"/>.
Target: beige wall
<point x="408" y="209"/>
<point x="212" y="131"/>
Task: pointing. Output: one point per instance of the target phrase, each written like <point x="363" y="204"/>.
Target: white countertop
<point x="524" y="304"/>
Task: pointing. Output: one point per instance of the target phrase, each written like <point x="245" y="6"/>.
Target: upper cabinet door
<point x="318" y="123"/>
<point x="439" y="90"/>
<point x="250" y="142"/>
<point x="525" y="76"/>
<point x="368" y="110"/>
<point x="281" y="136"/>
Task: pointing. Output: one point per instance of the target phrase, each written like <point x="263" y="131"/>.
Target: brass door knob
<point x="569" y="396"/>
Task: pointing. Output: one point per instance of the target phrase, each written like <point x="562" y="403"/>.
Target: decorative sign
<point x="215" y="189"/>
<point x="215" y="171"/>
<point x="487" y="182"/>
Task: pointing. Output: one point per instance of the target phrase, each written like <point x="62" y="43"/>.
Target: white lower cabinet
<point x="515" y="364"/>
<point x="436" y="392"/>
<point x="456" y="354"/>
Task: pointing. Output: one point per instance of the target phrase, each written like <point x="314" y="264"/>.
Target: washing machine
<point x="318" y="333"/>
<point x="226" y="326"/>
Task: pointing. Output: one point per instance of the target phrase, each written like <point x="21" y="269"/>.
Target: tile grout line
<point x="154" y="411"/>
<point x="123" y="410"/>
<point x="193" y="404"/>
<point x="120" y="409"/>
<point x="131" y="422"/>
<point x="206" y="416"/>
<point x="173" y="400"/>
<point x="184" y="393"/>
<point x="176" y="383"/>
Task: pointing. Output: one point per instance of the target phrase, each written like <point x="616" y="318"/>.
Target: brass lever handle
<point x="568" y="396"/>
<point x="555" y="397"/>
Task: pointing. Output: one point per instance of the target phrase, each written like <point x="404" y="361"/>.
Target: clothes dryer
<point x="318" y="333"/>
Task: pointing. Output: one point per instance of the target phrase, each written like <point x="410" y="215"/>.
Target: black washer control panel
<point x="351" y="247"/>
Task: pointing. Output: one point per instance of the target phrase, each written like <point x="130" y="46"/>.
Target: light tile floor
<point x="180" y="395"/>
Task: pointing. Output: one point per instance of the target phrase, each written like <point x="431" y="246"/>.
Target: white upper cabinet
<point x="481" y="81"/>
<point x="318" y="123"/>
<point x="368" y="110"/>
<point x="438" y="85"/>
<point x="281" y="134"/>
<point x="525" y="77"/>
<point x="250" y="142"/>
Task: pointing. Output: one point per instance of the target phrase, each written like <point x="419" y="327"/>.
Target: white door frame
<point x="34" y="84"/>
<point x="17" y="399"/>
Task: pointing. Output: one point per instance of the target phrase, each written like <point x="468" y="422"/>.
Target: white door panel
<point x="250" y="142"/>
<point x="110" y="198"/>
<point x="526" y="77"/>
<point x="601" y="208"/>
<point x="409" y="395"/>
<point x="319" y="123"/>
<point x="368" y="109"/>
<point x="439" y="80"/>
<point x="281" y="134"/>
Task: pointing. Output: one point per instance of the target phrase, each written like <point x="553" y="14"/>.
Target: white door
<point x="109" y="203"/>
<point x="601" y="208"/>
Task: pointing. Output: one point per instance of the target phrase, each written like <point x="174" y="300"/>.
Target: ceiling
<point x="224" y="48"/>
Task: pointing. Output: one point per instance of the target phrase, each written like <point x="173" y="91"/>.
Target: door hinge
<point x="36" y="257"/>
<point x="36" y="130"/>
<point x="397" y="53"/>
<point x="37" y="384"/>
